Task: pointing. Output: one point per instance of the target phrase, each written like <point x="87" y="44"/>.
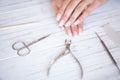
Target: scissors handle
<point x="17" y="43"/>
<point x="21" y="51"/>
<point x="26" y="46"/>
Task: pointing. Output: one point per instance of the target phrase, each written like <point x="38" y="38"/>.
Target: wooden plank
<point x="37" y="20"/>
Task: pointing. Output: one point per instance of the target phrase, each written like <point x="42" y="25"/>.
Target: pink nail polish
<point x="68" y="24"/>
<point x="58" y="16"/>
<point x="77" y="22"/>
<point x="61" y="23"/>
<point x="62" y="27"/>
<point x="69" y="33"/>
<point x="80" y="30"/>
<point x="75" y="33"/>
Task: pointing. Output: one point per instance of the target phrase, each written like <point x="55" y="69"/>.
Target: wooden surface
<point x="28" y="20"/>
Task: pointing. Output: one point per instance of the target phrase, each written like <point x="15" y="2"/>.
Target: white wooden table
<point x="28" y="20"/>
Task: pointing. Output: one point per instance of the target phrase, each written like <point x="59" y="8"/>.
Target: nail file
<point x="112" y="34"/>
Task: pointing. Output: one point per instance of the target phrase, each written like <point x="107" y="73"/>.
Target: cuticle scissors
<point x="26" y="46"/>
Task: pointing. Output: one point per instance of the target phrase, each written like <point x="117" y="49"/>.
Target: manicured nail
<point x="75" y="33"/>
<point x="61" y="23"/>
<point x="80" y="30"/>
<point x="62" y="27"/>
<point x="68" y="24"/>
<point x="58" y="16"/>
<point x="77" y="22"/>
<point x="69" y="33"/>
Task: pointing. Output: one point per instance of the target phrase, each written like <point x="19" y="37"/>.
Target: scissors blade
<point x="43" y="37"/>
<point x="38" y="40"/>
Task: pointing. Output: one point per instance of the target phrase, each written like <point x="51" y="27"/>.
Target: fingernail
<point x="61" y="23"/>
<point x="62" y="27"/>
<point x="58" y="17"/>
<point x="68" y="24"/>
<point x="77" y="22"/>
<point x="80" y="30"/>
<point x="69" y="33"/>
<point x="75" y="33"/>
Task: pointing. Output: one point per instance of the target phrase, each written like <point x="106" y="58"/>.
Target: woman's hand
<point x="71" y="13"/>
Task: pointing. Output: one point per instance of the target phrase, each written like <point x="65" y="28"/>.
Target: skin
<point x="70" y="14"/>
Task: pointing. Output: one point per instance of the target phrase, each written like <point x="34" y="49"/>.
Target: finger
<point x="62" y="9"/>
<point x="59" y="3"/>
<point x="80" y="27"/>
<point x="90" y="8"/>
<point x="68" y="31"/>
<point x="68" y="11"/>
<point x="74" y="30"/>
<point x="79" y="9"/>
<point x="54" y="6"/>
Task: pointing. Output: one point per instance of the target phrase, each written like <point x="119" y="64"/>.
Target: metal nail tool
<point x="64" y="52"/>
<point x="107" y="50"/>
<point x="24" y="49"/>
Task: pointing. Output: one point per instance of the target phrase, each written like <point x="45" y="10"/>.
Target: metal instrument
<point x="24" y="49"/>
<point x="64" y="52"/>
<point x="107" y="50"/>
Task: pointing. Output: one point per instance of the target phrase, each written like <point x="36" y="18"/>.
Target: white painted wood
<point x="28" y="20"/>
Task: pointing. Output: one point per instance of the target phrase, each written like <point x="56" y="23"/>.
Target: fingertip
<point x="74" y="30"/>
<point x="80" y="30"/>
<point x="62" y="27"/>
<point x="61" y="23"/>
<point x="75" y="33"/>
<point x="69" y="32"/>
<point x="76" y="22"/>
<point x="68" y="24"/>
<point x="59" y="15"/>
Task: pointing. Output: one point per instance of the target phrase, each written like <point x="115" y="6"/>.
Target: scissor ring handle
<point x="13" y="46"/>
<point x="19" y="49"/>
<point x="18" y="52"/>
